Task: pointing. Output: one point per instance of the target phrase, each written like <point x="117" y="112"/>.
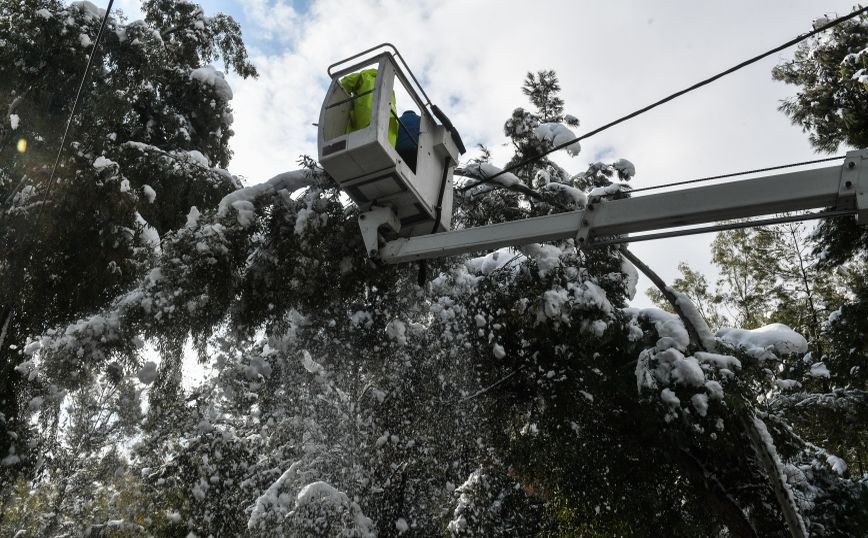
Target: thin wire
<point x="734" y="174"/>
<point x="483" y="390"/>
<point x="520" y="188"/>
<point x="722" y="227"/>
<point x="29" y="251"/>
<point x="675" y="95"/>
<point x="52" y="178"/>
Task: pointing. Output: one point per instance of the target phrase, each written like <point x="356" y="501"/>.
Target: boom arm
<point x="844" y="188"/>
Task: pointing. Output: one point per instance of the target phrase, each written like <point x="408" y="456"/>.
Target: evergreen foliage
<point x="830" y="72"/>
<point x="140" y="152"/>
<point x="514" y="393"/>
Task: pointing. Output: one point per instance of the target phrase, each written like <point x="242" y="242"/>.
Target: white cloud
<point x="611" y="57"/>
<point x="131" y="8"/>
<point x="274" y="20"/>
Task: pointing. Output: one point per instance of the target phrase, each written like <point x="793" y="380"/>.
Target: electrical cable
<point x="517" y="187"/>
<point x="723" y="226"/>
<point x="52" y="178"/>
<point x="673" y="96"/>
<point x="27" y="252"/>
<point x="735" y="174"/>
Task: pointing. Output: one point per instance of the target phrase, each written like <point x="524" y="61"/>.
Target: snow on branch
<point x="173" y="296"/>
<point x="764" y="342"/>
<point x="486" y="170"/>
<point x="272" y="501"/>
<point x="557" y="134"/>
<point x="243" y="200"/>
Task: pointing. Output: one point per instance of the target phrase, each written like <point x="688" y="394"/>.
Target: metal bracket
<point x="854" y="180"/>
<point x="583" y="234"/>
<point x="370" y="222"/>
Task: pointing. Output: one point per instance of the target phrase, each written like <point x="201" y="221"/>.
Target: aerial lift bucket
<point x="386" y="186"/>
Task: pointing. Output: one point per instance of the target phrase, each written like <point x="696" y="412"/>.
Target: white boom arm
<point x="843" y="188"/>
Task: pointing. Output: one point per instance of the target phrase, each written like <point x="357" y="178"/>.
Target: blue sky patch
<point x="605" y="153"/>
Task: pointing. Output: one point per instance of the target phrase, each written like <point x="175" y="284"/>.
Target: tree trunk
<point x="667" y="293"/>
<point x="6" y="314"/>
<point x="769" y="463"/>
<point x="809" y="293"/>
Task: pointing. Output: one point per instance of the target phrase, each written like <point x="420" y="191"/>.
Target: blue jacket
<point x="409" y="121"/>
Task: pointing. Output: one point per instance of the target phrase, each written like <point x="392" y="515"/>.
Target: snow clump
<point x="765" y="342"/>
<point x="787" y="384"/>
<point x="493" y="261"/>
<point x="664" y="369"/>
<point x="311" y="365"/>
<point x="547" y="257"/>
<point x="465" y="502"/>
<point x="288" y="181"/>
<point x="272" y="502"/>
<point x="149" y="234"/>
<point x="625" y="168"/>
<point x="193" y="217"/>
<point x="837" y="464"/>
<point x="197" y="157"/>
<point x="101" y="162"/>
<point x="557" y="134"/>
<point x="819" y="370"/>
<point x="320" y="501"/>
<point x="211" y="76"/>
<point x="632" y="277"/>
<point x="88" y="9"/>
<point x="486" y="170"/>
<point x="150" y="193"/>
<point x="397" y="330"/>
<point x="577" y="196"/>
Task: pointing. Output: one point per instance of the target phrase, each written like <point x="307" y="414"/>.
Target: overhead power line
<point x="800" y="217"/>
<point x="673" y="96"/>
<point x="10" y="312"/>
<point x="52" y="178"/>
<point x="735" y="174"/>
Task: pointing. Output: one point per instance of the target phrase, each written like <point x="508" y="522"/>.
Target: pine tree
<point x="543" y="90"/>
<point x="147" y="142"/>
<point x="771" y="277"/>
<point x="829" y="73"/>
<point x="808" y="392"/>
<point x="512" y="391"/>
<point x="830" y="106"/>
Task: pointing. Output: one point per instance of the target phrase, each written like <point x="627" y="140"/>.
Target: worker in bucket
<point x="408" y="138"/>
<point x="362" y="84"/>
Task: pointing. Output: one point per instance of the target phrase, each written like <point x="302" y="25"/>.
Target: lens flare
<point x="22" y="145"/>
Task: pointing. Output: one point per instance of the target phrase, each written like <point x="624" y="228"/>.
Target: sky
<point x="472" y="56"/>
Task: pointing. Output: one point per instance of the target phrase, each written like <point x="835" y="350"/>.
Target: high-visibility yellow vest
<point x="360" y="114"/>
